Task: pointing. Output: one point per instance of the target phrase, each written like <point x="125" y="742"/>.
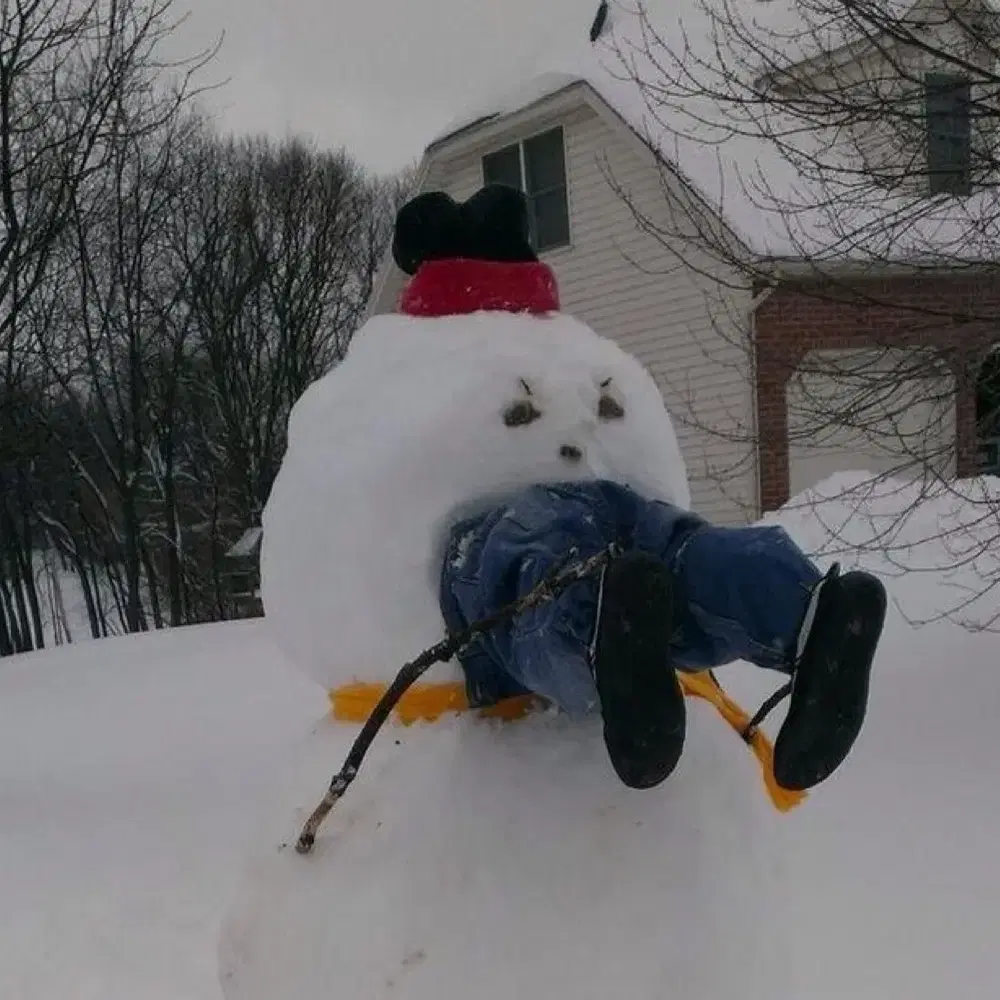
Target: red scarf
<point x="461" y="286"/>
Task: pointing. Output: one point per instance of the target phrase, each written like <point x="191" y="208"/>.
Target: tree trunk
<point x="27" y="563"/>
<point x="153" y="585"/>
<point x="135" y="619"/>
<point x="174" y="560"/>
<point x="6" y="639"/>
<point x="9" y="613"/>
<point x="102" y="616"/>
<point x="93" y="616"/>
<point x="15" y="577"/>
<point x="60" y="620"/>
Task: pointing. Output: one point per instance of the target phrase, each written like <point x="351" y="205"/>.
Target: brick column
<point x="932" y="311"/>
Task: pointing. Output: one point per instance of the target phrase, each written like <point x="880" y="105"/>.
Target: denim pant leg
<point x="743" y="595"/>
<point x="494" y="561"/>
<point x="550" y="649"/>
<point x="546" y="651"/>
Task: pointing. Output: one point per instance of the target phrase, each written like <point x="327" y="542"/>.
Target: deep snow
<point x="937" y="543"/>
<point x="131" y="779"/>
<point x="505" y="860"/>
<point x="146" y="783"/>
<point x="478" y="859"/>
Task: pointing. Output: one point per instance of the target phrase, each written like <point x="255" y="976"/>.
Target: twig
<point x="553" y="585"/>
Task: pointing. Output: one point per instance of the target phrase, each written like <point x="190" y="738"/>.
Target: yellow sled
<point x="428" y="702"/>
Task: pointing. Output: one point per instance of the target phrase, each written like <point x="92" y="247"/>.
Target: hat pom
<point x="498" y="217"/>
<point x="430" y="227"/>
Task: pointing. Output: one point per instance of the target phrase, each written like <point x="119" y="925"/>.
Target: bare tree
<point x="842" y="154"/>
<point x="165" y="297"/>
<point x="282" y="261"/>
<point x="68" y="71"/>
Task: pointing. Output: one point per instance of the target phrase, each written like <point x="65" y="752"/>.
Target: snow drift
<point x="147" y="783"/>
<point x="504" y="859"/>
<point x="130" y="779"/>
<point x="935" y="543"/>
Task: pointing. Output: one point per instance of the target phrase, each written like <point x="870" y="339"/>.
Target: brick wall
<point x="957" y="315"/>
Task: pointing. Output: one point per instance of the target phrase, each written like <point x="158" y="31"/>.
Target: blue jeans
<point x="741" y="593"/>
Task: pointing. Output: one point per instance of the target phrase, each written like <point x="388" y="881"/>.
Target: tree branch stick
<point x="553" y="585"/>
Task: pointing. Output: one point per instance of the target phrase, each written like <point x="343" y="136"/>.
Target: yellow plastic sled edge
<point x="428" y="702"/>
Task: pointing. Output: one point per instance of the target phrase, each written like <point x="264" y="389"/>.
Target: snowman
<point x="465" y="449"/>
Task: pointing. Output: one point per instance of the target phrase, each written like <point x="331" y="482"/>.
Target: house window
<point x="537" y="167"/>
<point x="947" y="101"/>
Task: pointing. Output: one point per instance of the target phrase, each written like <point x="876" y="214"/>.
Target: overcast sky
<point x="377" y="76"/>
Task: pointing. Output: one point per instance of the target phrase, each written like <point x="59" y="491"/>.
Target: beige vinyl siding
<point x="688" y="332"/>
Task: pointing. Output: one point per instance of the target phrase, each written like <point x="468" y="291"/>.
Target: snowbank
<point x="936" y="544"/>
<point x="147" y="783"/>
<point x="500" y="861"/>
<point x="131" y="772"/>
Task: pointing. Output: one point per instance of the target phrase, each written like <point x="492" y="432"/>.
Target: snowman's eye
<point x="609" y="408"/>
<point x="521" y="413"/>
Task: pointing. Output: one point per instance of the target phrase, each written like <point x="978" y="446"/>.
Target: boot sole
<point x="829" y="704"/>
<point x="641" y="698"/>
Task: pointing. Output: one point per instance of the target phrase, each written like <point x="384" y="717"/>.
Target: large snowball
<point x="507" y="861"/>
<point x="407" y="435"/>
<point x="475" y="860"/>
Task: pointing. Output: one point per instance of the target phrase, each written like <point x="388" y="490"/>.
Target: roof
<point x="723" y="154"/>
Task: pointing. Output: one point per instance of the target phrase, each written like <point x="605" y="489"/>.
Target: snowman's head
<point x="477" y="389"/>
<point x="457" y="413"/>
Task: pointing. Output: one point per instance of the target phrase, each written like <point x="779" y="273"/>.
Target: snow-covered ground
<point x="936" y="544"/>
<point x="147" y="783"/>
<point x="131" y="773"/>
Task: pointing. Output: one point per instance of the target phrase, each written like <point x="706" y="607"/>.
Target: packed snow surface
<point x="131" y="779"/>
<point x="511" y="863"/>
<point x="505" y="860"/>
<point x="147" y="784"/>
<point x="405" y="436"/>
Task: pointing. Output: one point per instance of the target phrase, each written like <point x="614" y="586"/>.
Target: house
<point x="769" y="370"/>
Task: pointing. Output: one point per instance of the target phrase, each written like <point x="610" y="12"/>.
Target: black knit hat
<point x="492" y="225"/>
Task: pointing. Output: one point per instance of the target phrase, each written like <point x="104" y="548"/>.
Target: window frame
<point x="520" y="144"/>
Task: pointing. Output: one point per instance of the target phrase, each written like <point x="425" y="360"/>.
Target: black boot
<point x="641" y="698"/>
<point x="829" y="694"/>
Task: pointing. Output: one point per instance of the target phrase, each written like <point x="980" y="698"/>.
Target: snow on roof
<point x="725" y="156"/>
<point x="534" y="89"/>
